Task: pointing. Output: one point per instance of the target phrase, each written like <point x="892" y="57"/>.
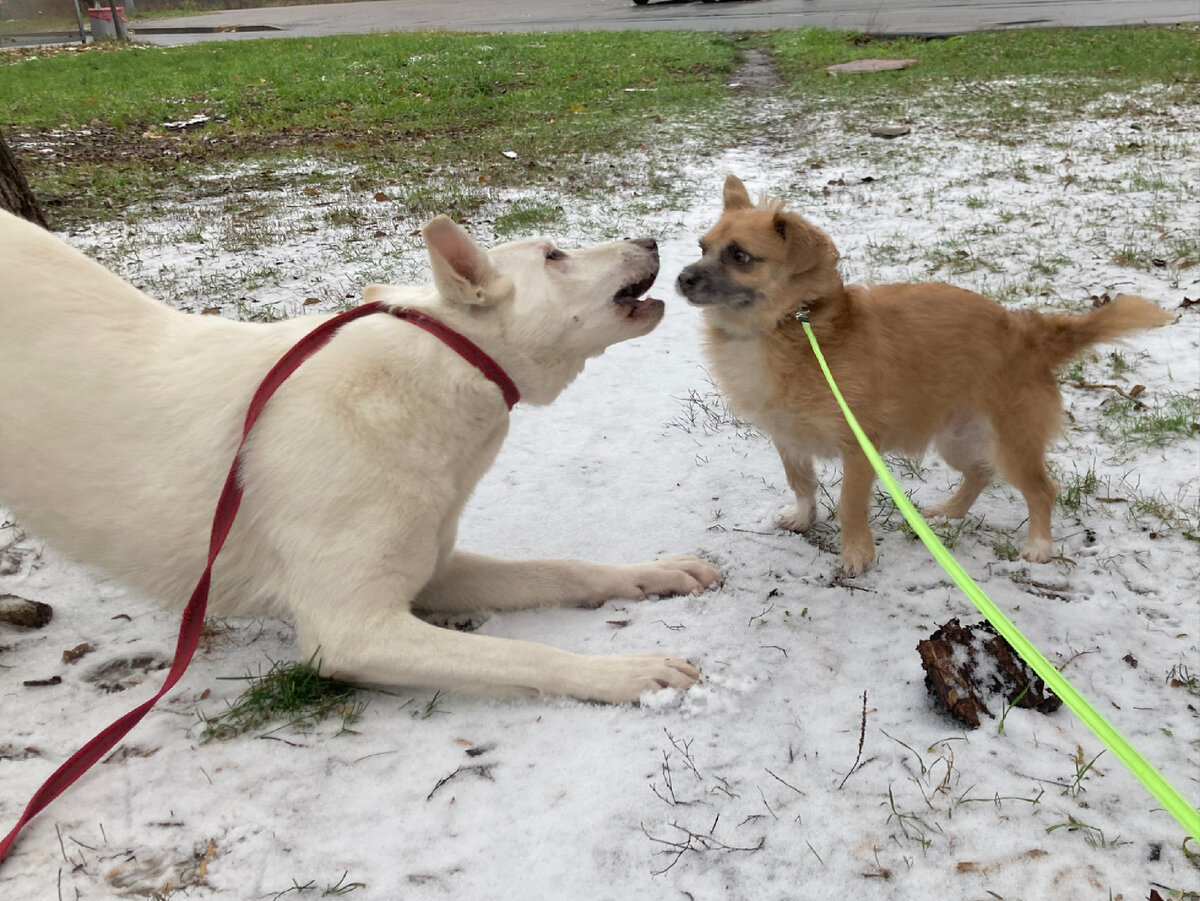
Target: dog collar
<point x="460" y="344"/>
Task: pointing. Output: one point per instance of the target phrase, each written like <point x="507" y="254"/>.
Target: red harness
<point x="227" y="507"/>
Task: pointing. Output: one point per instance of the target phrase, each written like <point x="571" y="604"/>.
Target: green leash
<point x="1166" y="793"/>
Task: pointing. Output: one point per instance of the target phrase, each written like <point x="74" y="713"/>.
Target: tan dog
<point x="121" y="417"/>
<point x="917" y="363"/>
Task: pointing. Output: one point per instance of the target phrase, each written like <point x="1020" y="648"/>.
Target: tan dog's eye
<point x="741" y="257"/>
<point x="554" y="254"/>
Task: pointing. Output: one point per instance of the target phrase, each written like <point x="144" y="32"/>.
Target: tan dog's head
<point x="759" y="264"/>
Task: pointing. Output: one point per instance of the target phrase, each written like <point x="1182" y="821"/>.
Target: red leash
<point x="227" y="507"/>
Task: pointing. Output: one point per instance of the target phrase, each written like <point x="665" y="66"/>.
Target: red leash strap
<point x="227" y="507"/>
<point x="465" y="348"/>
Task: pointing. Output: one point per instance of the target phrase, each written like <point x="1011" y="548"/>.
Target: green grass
<point x="432" y="84"/>
<point x="415" y="109"/>
<point x="1117" y="57"/>
<point x="499" y="110"/>
<point x="292" y="694"/>
<point x="526" y="215"/>
<point x="1008" y="79"/>
<point x="1074" y="493"/>
<point x="1173" y="417"/>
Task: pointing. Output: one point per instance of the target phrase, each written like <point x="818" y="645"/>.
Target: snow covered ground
<point x="753" y="785"/>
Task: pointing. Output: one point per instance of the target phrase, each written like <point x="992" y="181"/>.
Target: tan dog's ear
<point x="736" y="197"/>
<point x="807" y="245"/>
<point x="781" y="225"/>
<point x="461" y="270"/>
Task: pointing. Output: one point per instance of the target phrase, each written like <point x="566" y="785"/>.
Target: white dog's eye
<point x="554" y="254"/>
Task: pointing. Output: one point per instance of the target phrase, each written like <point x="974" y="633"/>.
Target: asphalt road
<point x="876" y="16"/>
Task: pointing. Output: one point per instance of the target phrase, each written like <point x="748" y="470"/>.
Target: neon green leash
<point x="1166" y="793"/>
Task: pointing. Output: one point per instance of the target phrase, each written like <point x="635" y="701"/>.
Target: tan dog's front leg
<point x="858" y="545"/>
<point x="469" y="582"/>
<point x="802" y="479"/>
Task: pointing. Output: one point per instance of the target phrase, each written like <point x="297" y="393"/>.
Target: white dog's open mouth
<point x="632" y="302"/>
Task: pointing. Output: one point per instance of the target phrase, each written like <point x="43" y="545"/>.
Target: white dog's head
<point x="540" y="311"/>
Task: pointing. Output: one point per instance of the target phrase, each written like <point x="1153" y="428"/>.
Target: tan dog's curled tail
<point x="1063" y="336"/>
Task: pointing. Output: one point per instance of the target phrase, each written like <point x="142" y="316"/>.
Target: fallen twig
<point x="862" y="735"/>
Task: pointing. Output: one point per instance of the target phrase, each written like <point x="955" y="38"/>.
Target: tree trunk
<point x="15" y="195"/>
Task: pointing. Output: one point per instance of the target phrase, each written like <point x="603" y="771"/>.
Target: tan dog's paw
<point x="798" y="517"/>
<point x="857" y="557"/>
<point x="944" y="510"/>
<point x="1038" y="550"/>
<point x="624" y="679"/>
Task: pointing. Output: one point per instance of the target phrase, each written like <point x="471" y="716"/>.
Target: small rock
<point x="890" y="131"/>
<point x="869" y="65"/>
<point x="17" y="611"/>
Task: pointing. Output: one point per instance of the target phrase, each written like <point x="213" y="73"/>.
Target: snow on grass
<point x="753" y="784"/>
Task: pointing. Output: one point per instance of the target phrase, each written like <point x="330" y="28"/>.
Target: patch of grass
<point x="1006" y="549"/>
<point x="411" y="105"/>
<point x="1082" y="768"/>
<point x="1093" y="835"/>
<point x="948" y="531"/>
<point x="1073" y="493"/>
<point x="1112" y="57"/>
<point x="1175" y="416"/>
<point x="1181" y="676"/>
<point x="293" y="694"/>
<point x="525" y="217"/>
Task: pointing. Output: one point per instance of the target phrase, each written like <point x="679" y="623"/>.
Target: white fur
<point x="119" y="418"/>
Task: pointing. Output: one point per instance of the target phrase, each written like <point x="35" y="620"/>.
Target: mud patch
<point x="755" y="73"/>
<point x="125" y="672"/>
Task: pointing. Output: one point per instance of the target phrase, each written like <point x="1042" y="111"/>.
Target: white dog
<point x="119" y="418"/>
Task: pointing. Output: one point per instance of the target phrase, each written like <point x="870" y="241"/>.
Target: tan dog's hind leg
<point x="802" y="480"/>
<point x="1021" y="457"/>
<point x="966" y="447"/>
<point x="858" y="545"/>
<point x="469" y="582"/>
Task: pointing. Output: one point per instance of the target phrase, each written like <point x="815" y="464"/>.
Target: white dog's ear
<point x="736" y="197"/>
<point x="461" y="270"/>
<point x="373" y="293"/>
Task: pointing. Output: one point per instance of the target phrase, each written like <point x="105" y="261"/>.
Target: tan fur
<point x="919" y="364"/>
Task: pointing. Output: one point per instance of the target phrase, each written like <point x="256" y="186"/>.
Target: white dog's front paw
<point x="623" y="679"/>
<point x="798" y="517"/>
<point x="686" y="574"/>
<point x="664" y="578"/>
